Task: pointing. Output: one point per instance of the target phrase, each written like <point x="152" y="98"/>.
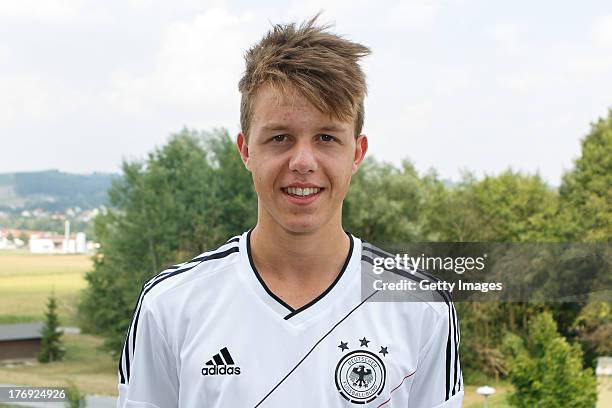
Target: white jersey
<point x="209" y="333"/>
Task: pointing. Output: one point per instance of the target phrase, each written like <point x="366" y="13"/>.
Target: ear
<point x="243" y="149"/>
<point x="361" y="147"/>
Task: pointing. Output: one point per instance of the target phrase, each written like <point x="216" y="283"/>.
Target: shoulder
<point x="168" y="283"/>
<point x="418" y="286"/>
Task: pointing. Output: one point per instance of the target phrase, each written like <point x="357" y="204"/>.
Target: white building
<point x="604" y="366"/>
<point x="4" y="242"/>
<point x="45" y="242"/>
<point x="41" y="245"/>
<point x="14" y="242"/>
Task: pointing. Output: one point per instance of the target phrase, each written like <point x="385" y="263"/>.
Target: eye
<point x="280" y="138"/>
<point x="326" y="138"/>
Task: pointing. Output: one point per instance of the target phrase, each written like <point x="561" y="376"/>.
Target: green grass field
<point x="27" y="280"/>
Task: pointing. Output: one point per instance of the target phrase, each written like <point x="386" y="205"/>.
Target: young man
<point x="275" y="317"/>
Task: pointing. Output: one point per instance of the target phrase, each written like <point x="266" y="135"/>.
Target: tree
<point x="509" y="207"/>
<point x="594" y="329"/>
<point x="386" y="204"/>
<point x="546" y="370"/>
<point x="585" y="211"/>
<point x="51" y="348"/>
<point x="187" y="197"/>
<point x="585" y="192"/>
<point x="24" y="238"/>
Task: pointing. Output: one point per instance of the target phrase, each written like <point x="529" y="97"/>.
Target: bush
<point x="76" y="398"/>
<point x="547" y="371"/>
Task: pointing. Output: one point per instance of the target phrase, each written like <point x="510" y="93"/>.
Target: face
<point x="301" y="161"/>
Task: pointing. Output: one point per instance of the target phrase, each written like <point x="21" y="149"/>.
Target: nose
<point x="303" y="159"/>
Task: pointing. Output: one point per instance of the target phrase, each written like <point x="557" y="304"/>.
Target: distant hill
<point x="53" y="190"/>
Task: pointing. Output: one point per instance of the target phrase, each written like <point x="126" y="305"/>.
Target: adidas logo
<point x="222" y="363"/>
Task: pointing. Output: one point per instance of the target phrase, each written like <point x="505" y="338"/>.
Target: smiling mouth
<point x="302" y="192"/>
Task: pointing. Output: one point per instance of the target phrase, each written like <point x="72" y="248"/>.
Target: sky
<point x="455" y="85"/>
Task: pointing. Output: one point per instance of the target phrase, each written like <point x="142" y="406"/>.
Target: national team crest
<point x="360" y="374"/>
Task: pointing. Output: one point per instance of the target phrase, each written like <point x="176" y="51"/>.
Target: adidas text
<point x="221" y="370"/>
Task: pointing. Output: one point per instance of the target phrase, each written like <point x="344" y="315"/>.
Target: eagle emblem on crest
<point x="360" y="374"/>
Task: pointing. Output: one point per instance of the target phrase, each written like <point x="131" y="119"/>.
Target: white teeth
<point x="302" y="191"/>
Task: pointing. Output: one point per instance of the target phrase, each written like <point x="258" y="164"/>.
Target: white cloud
<point x="417" y="118"/>
<point x="32" y="98"/>
<point x="509" y="38"/>
<point x="39" y="10"/>
<point x="105" y="79"/>
<point x="415" y="14"/>
<point x="195" y="65"/>
<point x="397" y="15"/>
<point x="452" y="80"/>
<point x="182" y="7"/>
<point x="602" y="31"/>
<point x="330" y="9"/>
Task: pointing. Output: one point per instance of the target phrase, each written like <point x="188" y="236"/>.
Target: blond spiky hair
<point x="321" y="66"/>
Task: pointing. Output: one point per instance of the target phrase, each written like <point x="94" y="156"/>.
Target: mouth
<point x="302" y="196"/>
<point x="302" y="192"/>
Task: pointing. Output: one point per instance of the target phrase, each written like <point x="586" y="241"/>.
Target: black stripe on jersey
<point x="452" y="362"/>
<point x="313" y="347"/>
<point x="458" y="363"/>
<point x="125" y="354"/>
<point x="448" y="359"/>
<point x="451" y="334"/>
<point x="199" y="260"/>
<point x="150" y="284"/>
<point x="261" y="281"/>
<point x="456" y="325"/>
<point x="234" y="239"/>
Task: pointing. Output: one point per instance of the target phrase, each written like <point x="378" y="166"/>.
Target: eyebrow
<point x="280" y="127"/>
<point x="275" y="127"/>
<point x="333" y="128"/>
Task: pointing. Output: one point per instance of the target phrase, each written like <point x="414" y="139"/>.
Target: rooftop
<point x="21" y="331"/>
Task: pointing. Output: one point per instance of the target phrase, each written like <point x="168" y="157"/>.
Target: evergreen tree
<point x="51" y="348"/>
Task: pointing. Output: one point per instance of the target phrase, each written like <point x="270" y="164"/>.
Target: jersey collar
<point x="339" y="286"/>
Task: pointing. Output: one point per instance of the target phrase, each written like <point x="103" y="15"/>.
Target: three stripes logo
<point x="222" y="363"/>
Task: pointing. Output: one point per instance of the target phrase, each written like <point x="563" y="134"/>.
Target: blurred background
<point x="487" y="121"/>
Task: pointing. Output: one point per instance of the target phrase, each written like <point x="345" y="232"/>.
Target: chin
<point x="301" y="226"/>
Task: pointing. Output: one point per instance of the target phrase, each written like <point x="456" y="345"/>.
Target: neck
<point x="299" y="257"/>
